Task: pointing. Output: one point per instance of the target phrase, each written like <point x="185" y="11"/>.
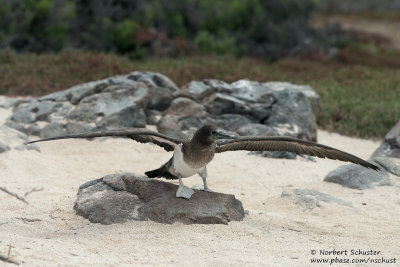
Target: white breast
<point x="180" y="166"/>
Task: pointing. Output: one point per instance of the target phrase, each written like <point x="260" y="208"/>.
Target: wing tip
<point x="29" y="142"/>
<point x="373" y="167"/>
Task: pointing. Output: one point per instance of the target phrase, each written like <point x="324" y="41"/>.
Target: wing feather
<point x="289" y="144"/>
<point x="140" y="135"/>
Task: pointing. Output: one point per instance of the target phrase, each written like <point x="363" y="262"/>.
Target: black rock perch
<point x="117" y="198"/>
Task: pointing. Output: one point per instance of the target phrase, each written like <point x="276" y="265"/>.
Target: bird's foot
<point x="184" y="192"/>
<point x="208" y="190"/>
<point x="201" y="187"/>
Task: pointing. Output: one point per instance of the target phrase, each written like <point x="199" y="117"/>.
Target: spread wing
<point x="277" y="143"/>
<point x="140" y="135"/>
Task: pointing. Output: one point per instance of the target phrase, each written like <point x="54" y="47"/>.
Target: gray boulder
<point x="117" y="198"/>
<point x="183" y="118"/>
<point x="310" y="199"/>
<point x="390" y="147"/>
<point x="53" y="129"/>
<point x="358" y="177"/>
<point x="153" y="116"/>
<point x="391" y="165"/>
<point x="9" y="102"/>
<point x="246" y="107"/>
<point x="115" y="102"/>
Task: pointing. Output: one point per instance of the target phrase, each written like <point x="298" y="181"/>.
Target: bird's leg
<point x="203" y="175"/>
<point x="183" y="190"/>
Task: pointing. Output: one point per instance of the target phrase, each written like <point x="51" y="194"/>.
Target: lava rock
<point x="391" y="165"/>
<point x="183" y="118"/>
<point x="116" y="102"/>
<point x="244" y="107"/>
<point x="153" y="116"/>
<point x="52" y="129"/>
<point x="358" y="177"/>
<point x="390" y="147"/>
<point x="256" y="129"/>
<point x="9" y="102"/>
<point x="117" y="198"/>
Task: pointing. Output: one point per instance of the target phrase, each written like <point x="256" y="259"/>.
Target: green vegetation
<point x="269" y="29"/>
<point x="357" y="100"/>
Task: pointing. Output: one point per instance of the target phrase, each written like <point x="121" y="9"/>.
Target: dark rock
<point x="234" y="122"/>
<point x="109" y="103"/>
<point x="45" y="108"/>
<point x="390" y="147"/>
<point x="153" y="116"/>
<point x="311" y="95"/>
<point x="74" y="127"/>
<point x="358" y="177"/>
<point x="160" y="101"/>
<point x="161" y="87"/>
<point x="155" y="79"/>
<point x="53" y="129"/>
<point x="86" y="89"/>
<point x="243" y="107"/>
<point x="29" y="129"/>
<point x="391" y="165"/>
<point x="99" y="203"/>
<point x="116" y="102"/>
<point x="183" y="118"/>
<point x="287" y="107"/>
<point x="256" y="129"/>
<point x="24" y="112"/>
<point x="309" y="199"/>
<point x="218" y="104"/>
<point x="387" y="150"/>
<point x="9" y="102"/>
<point x="128" y="117"/>
<point x="291" y="116"/>
<point x="60" y="114"/>
<point x="283" y="108"/>
<point x="198" y="90"/>
<point x="117" y="198"/>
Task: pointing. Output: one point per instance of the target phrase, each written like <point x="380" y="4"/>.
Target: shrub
<point x="269" y="29"/>
<point x="35" y="25"/>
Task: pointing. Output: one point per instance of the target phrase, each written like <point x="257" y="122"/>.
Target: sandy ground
<point x="47" y="232"/>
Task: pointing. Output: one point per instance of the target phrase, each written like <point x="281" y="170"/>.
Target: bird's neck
<point x="198" y="153"/>
<point x="201" y="142"/>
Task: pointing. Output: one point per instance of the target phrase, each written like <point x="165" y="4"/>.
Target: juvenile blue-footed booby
<point x="192" y="156"/>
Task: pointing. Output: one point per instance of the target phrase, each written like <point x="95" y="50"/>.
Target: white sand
<point x="276" y="231"/>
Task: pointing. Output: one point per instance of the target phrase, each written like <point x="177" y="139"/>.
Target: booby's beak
<point x="218" y="134"/>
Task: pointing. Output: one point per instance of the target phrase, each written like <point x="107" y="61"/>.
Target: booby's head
<point x="210" y="133"/>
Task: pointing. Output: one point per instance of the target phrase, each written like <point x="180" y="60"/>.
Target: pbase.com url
<point x="368" y="260"/>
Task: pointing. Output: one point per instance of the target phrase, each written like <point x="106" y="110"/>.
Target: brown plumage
<point x="289" y="144"/>
<point x="192" y="156"/>
<point x="141" y="135"/>
<point x="253" y="143"/>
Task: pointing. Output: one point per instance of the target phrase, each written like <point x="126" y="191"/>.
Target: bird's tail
<point x="160" y="172"/>
<point x="155" y="173"/>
